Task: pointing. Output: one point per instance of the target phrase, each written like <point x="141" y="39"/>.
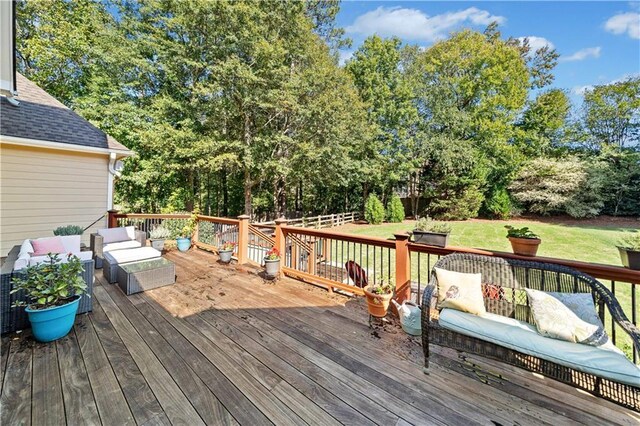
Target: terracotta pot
<point x="378" y="304"/>
<point x="525" y="246"/>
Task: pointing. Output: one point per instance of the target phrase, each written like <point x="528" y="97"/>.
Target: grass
<point x="589" y="242"/>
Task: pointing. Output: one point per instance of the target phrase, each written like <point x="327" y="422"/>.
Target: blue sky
<point x="599" y="42"/>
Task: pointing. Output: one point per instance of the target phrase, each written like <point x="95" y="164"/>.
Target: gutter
<point x="12" y="140"/>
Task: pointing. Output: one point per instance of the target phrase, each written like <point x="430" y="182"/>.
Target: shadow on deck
<point x="222" y="346"/>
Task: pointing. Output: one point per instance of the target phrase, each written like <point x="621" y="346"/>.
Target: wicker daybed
<point x="503" y="282"/>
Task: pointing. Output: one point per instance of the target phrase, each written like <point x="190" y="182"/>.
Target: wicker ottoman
<point x="119" y="257"/>
<point x="140" y="276"/>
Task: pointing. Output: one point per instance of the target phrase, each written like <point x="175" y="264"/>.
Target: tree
<point x="376" y="70"/>
<point x="543" y="122"/>
<point x="469" y="90"/>
<point x="547" y="185"/>
<point x="395" y="209"/>
<point x="373" y="210"/>
<point x="611" y="114"/>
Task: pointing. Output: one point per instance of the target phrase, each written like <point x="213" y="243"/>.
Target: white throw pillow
<point x="555" y="319"/>
<point x="26" y="249"/>
<point x="112" y="235"/>
<point x="460" y="291"/>
<point x="71" y="243"/>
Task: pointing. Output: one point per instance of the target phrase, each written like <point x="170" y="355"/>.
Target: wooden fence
<point x="319" y="256"/>
<point x="319" y="222"/>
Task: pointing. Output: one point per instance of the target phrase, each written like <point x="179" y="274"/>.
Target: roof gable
<point x="40" y="116"/>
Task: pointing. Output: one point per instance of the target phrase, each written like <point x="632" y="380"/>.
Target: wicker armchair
<point x="504" y="281"/>
<point x="96" y="242"/>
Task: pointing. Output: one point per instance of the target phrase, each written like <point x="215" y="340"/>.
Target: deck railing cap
<point x="280" y="221"/>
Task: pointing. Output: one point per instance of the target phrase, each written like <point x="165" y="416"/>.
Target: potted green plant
<point x="62" y="231"/>
<point x="53" y="290"/>
<point x="184" y="239"/>
<point x="157" y="237"/>
<point x="629" y="248"/>
<point x="523" y="241"/>
<point x="272" y="263"/>
<point x="431" y="232"/>
<point x="378" y="298"/>
<point x="225" y="251"/>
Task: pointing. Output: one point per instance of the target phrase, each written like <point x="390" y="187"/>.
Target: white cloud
<point x="413" y="24"/>
<point x="580" y="90"/>
<point x="624" y="23"/>
<point x="582" y="54"/>
<point x="536" y="43"/>
<point x="344" y="56"/>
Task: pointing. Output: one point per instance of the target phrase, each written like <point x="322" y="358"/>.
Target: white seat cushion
<point x="605" y="361"/>
<point x="132" y="255"/>
<point x="112" y="235"/>
<point x="131" y="244"/>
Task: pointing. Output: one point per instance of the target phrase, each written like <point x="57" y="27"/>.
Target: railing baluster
<point x="613" y="322"/>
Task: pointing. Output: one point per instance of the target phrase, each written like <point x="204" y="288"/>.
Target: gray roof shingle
<point x="41" y="116"/>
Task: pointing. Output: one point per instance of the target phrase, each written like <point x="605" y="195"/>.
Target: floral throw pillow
<point x="567" y="316"/>
<point x="460" y="291"/>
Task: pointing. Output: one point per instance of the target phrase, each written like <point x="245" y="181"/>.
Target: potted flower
<point x="378" y="298"/>
<point x="431" y="232"/>
<point x="184" y="239"/>
<point x="272" y="263"/>
<point x="629" y="248"/>
<point x="53" y="290"/>
<point x="62" y="231"/>
<point x="523" y="241"/>
<point x="157" y="237"/>
<point x="226" y="250"/>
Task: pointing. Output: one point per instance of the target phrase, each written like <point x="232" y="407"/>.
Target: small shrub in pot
<point x="431" y="232"/>
<point x="65" y="230"/>
<point x="272" y="263"/>
<point x="523" y="241"/>
<point x="157" y="236"/>
<point x="225" y="251"/>
<point x="629" y="248"/>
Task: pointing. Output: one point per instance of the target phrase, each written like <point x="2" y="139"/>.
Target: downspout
<point x="113" y="173"/>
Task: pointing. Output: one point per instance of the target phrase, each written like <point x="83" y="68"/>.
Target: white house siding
<point x="41" y="189"/>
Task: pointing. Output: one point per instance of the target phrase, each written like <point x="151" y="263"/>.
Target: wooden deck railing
<point x="319" y="257"/>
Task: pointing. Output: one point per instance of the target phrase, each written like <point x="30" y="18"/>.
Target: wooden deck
<point x="221" y="346"/>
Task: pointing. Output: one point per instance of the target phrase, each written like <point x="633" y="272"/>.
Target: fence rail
<point x="320" y="256"/>
<point x="319" y="222"/>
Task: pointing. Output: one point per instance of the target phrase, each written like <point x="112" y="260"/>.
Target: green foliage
<point x="159" y="233"/>
<point x="395" y="209"/>
<point x="631" y="241"/>
<point x="620" y="175"/>
<point x="543" y="123"/>
<point x="523" y="232"/>
<point x="190" y="225"/>
<point x="611" y="114"/>
<point x="51" y="283"/>
<point x="547" y="185"/>
<point x="68" y="230"/>
<point x="227" y="246"/>
<point x="454" y="176"/>
<point x="272" y="254"/>
<point x="427" y="224"/>
<point x="374" y="210"/>
<point x="499" y="205"/>
<point x="381" y="288"/>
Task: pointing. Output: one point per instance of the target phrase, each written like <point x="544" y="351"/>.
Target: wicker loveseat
<point x="111" y="239"/>
<point x="503" y="283"/>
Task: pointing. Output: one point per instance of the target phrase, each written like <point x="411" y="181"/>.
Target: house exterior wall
<point x="41" y="189"/>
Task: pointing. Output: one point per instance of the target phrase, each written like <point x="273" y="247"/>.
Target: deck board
<point x="221" y="346"/>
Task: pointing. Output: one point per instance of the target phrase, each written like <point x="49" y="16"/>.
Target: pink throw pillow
<point x="44" y="246"/>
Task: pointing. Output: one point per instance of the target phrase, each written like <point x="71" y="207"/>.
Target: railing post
<point x="243" y="239"/>
<point x="196" y="232"/>
<point x="112" y="220"/>
<point x="403" y="268"/>
<point x="280" y="241"/>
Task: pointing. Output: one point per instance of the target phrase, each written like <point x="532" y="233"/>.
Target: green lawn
<point x="576" y="242"/>
<point x="584" y="242"/>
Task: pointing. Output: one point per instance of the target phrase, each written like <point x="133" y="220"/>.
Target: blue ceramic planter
<point x="51" y="324"/>
<point x="184" y="244"/>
